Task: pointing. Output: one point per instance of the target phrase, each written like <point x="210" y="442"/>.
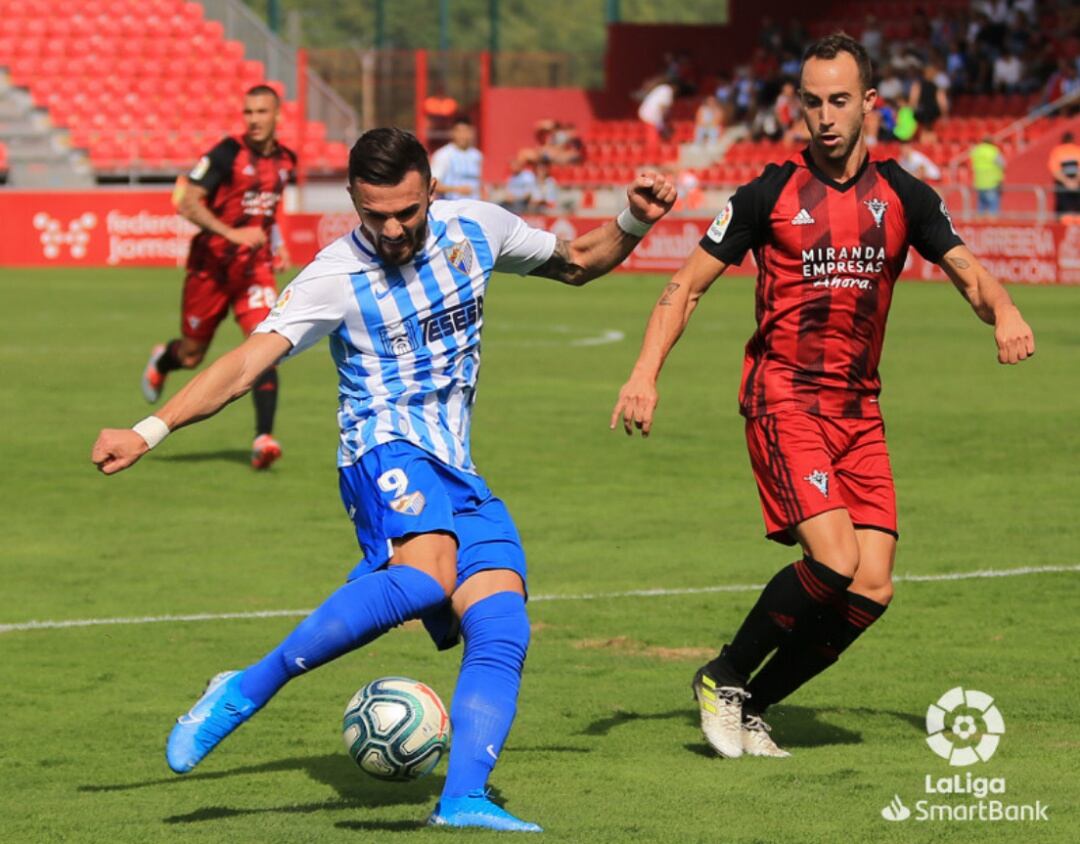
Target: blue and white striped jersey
<point x="457" y="167"/>
<point x="406" y="339"/>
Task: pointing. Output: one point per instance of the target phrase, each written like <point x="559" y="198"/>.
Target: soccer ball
<point x="396" y="729"/>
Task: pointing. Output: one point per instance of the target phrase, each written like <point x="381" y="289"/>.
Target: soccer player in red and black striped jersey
<point x="232" y="195"/>
<point x="829" y="230"/>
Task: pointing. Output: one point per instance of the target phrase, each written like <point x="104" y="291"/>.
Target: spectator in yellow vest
<point x="987" y="174"/>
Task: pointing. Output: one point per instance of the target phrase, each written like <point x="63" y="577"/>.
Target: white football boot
<point x="720" y="708"/>
<point x="756" y="740"/>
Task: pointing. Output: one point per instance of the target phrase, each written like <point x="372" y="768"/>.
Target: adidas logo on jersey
<point x="803" y="218"/>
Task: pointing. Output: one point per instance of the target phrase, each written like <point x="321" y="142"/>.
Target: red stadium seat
<point x="192" y="12"/>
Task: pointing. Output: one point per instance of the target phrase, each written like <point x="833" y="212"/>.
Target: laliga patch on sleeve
<point x="720" y="225"/>
<point x="283" y="300"/>
<point x="201" y="168"/>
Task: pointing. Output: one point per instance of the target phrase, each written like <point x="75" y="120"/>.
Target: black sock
<point x="814" y="649"/>
<point x="264" y="394"/>
<point x="789" y="601"/>
<point x="169" y="359"/>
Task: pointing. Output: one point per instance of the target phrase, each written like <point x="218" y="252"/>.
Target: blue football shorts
<point x="398" y="489"/>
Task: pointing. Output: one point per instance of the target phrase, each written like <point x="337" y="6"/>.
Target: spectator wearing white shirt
<point x="1008" y="73"/>
<point x="458" y="165"/>
<point x="654" y="109"/>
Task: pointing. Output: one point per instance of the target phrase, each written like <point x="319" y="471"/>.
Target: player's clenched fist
<point x="1014" y="337"/>
<point x="651" y="196"/>
<point x="116" y="449"/>
<point x="637" y="402"/>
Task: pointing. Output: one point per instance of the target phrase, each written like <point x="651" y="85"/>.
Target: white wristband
<point x="151" y="429"/>
<point x="631" y="224"/>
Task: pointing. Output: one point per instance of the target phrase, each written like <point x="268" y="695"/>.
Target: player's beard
<point x="840" y="151"/>
<point x="399" y="252"/>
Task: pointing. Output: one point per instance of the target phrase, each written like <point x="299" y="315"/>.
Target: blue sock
<point x="496" y="633"/>
<point x="357" y="613"/>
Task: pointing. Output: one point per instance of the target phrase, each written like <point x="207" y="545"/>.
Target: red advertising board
<point x="111" y="229"/>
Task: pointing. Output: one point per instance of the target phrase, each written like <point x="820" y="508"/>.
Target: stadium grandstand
<point x="129" y="93"/>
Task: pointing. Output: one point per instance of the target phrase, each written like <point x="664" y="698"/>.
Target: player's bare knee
<point x="880" y="592"/>
<point x="435" y="554"/>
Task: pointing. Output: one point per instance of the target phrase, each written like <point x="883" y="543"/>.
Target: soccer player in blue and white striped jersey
<point x="402" y="299"/>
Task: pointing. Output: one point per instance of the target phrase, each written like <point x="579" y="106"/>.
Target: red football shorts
<point x="806" y="464"/>
<point x="247" y="286"/>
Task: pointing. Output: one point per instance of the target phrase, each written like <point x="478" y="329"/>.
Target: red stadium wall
<point x="510" y="115"/>
<point x="103" y="229"/>
<point x="1029" y="166"/>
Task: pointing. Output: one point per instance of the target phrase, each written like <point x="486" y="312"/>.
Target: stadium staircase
<point x="140" y="88"/>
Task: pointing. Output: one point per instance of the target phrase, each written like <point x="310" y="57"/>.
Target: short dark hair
<point x="263" y="91"/>
<point x="833" y="45"/>
<point x="385" y="156"/>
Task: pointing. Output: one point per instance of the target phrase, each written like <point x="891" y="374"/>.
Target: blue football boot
<point x="220" y="710"/>
<point x="476" y="810"/>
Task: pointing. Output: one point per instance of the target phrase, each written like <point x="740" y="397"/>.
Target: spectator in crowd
<point x="1064" y="81"/>
<point x="918" y="163"/>
<point x="520" y="186"/>
<point x="987" y="176"/>
<point x="708" y="121"/>
<point x="891" y="86"/>
<point x="654" y="110"/>
<point x="1008" y="73"/>
<point x="458" y="165"/>
<point x="872" y="39"/>
<point x="787" y="107"/>
<point x="559" y="143"/>
<point x="929" y="101"/>
<point x="1064" y="166"/>
<point x="545" y="194"/>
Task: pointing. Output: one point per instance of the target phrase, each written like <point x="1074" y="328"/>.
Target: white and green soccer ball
<point x="396" y="729"/>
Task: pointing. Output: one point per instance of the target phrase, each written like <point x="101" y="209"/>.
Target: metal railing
<point x="323" y="103"/>
<point x="963" y="203"/>
<point x="1016" y="130"/>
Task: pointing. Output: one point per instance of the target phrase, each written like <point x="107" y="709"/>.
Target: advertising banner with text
<point x="116" y="229"/>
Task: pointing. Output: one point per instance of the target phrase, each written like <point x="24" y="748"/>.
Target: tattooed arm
<point x="989" y="299"/>
<point x="599" y="251"/>
<point x="638" y="397"/>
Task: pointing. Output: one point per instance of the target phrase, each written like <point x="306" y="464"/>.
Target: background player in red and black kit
<point x="830" y="230"/>
<point x="232" y="194"/>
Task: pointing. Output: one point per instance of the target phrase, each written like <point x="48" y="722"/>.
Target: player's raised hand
<point x="250" y="236"/>
<point x="1014" y="337"/>
<point x="635" y="407"/>
<point x="651" y="196"/>
<point x="116" y="449"/>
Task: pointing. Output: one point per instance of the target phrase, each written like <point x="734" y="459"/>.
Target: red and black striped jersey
<point x="828" y="255"/>
<point x="243" y="188"/>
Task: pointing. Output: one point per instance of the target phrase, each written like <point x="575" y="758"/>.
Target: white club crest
<point x="877" y="207"/>
<point x="820" y="481"/>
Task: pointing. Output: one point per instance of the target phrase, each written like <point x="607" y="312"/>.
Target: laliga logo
<point x="940" y="721"/>
<point x="53" y="238"/>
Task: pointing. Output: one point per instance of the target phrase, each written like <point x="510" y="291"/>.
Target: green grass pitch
<point x="606" y="746"/>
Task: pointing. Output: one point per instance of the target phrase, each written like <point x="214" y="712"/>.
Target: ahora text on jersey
<point x="828" y="255"/>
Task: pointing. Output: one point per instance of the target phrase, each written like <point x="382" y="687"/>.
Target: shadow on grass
<point x="793" y="726"/>
<point x="224" y="455"/>
<point x="381" y="826"/>
<point x="335" y="770"/>
<point x="603" y="726"/>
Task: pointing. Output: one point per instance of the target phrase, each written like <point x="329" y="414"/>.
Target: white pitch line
<point x="981" y="574"/>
